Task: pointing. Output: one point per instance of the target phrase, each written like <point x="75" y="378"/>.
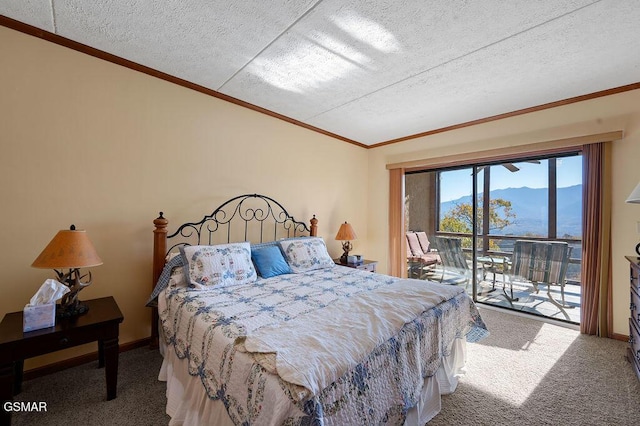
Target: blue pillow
<point x="269" y="261"/>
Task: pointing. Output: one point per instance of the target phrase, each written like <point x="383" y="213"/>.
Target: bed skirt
<point x="189" y="405"/>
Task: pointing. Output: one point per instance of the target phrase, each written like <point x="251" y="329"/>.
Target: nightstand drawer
<point x="371" y="267"/>
<point x="366" y="265"/>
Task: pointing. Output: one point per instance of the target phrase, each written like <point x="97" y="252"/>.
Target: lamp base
<point x="70" y="311"/>
<point x="346" y="248"/>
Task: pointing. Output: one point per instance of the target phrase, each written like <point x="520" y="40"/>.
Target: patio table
<point x="494" y="264"/>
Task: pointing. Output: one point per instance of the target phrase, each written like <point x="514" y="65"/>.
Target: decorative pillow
<point x="168" y="277"/>
<point x="176" y="277"/>
<point x="269" y="261"/>
<point x="219" y="265"/>
<point x="306" y="254"/>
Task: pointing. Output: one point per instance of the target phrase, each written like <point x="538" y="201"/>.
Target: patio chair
<point x="420" y="258"/>
<point x="454" y="260"/>
<point x="541" y="262"/>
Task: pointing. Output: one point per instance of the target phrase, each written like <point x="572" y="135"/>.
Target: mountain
<point x="530" y="206"/>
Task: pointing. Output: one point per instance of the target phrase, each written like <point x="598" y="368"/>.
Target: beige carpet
<point x="77" y="396"/>
<point x="526" y="373"/>
<point x="533" y="373"/>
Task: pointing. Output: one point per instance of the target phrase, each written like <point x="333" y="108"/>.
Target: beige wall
<point x="95" y="144"/>
<point x="616" y="112"/>
<point x="88" y="142"/>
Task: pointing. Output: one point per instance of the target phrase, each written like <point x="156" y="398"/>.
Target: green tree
<point x="460" y="219"/>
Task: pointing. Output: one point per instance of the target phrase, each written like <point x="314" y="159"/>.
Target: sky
<point x="457" y="183"/>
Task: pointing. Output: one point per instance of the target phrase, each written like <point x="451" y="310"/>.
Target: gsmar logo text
<point x="25" y="406"/>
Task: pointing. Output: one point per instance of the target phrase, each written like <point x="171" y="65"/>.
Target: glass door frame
<point x="481" y="230"/>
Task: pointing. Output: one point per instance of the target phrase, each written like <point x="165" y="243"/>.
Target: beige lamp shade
<point x="634" y="197"/>
<point x="69" y="249"/>
<point x="346" y="233"/>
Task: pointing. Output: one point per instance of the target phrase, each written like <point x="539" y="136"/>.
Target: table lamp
<point x="345" y="234"/>
<point x="70" y="249"/>
<point x="634" y="198"/>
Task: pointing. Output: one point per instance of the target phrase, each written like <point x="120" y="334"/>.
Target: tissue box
<point x="39" y="316"/>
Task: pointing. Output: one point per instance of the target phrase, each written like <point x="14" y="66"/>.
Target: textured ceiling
<point x="367" y="71"/>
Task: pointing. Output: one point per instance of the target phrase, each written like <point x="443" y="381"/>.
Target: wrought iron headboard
<point x="272" y="218"/>
<point x="248" y="210"/>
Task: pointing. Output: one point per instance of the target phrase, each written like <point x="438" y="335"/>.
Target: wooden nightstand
<point x="367" y="265"/>
<point x="101" y="323"/>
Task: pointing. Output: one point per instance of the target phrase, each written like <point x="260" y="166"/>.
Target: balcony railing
<point x="574" y="262"/>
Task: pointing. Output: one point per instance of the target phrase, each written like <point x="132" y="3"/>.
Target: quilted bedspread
<point x="232" y="336"/>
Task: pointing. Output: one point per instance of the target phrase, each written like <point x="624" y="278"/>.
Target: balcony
<point x="497" y="286"/>
<point x="528" y="300"/>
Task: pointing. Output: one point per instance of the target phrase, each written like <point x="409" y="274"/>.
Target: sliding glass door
<point x="509" y="232"/>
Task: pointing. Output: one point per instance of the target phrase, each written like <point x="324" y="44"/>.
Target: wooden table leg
<point x="110" y="350"/>
<point x="6" y="391"/>
<point x="18" y="368"/>
<point x="100" y="354"/>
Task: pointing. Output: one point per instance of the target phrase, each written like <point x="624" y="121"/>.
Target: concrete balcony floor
<point x="547" y="302"/>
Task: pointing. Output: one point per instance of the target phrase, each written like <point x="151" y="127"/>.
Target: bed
<point x="273" y="332"/>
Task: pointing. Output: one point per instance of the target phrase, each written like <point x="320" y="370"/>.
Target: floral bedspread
<point x="207" y="327"/>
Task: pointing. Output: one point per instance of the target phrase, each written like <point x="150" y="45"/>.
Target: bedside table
<point x="101" y="323"/>
<point x="367" y="265"/>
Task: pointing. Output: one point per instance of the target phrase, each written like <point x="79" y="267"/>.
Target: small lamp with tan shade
<point x="346" y="234"/>
<point x="70" y="249"/>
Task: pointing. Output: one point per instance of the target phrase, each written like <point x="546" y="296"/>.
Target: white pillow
<point x="306" y="254"/>
<point x="219" y="265"/>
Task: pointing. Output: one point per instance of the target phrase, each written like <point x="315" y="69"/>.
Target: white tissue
<point x="50" y="291"/>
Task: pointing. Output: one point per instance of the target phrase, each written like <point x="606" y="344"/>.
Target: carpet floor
<point x="527" y="372"/>
<point x="77" y="396"/>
